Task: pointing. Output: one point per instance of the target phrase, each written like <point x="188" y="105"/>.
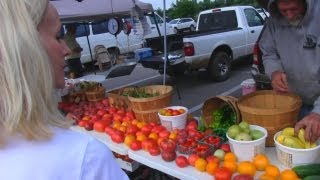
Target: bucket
<point x="248" y="86"/>
<point x="290" y="157"/>
<point x="174" y="122"/>
<point x="247" y="150"/>
<point x="214" y="103"/>
<point x="271" y="110"/>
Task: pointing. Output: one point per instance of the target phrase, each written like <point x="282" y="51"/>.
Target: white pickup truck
<point x="223" y="34"/>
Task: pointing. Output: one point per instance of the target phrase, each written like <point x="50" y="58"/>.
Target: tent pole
<point x="165" y="43"/>
<point x="85" y="27"/>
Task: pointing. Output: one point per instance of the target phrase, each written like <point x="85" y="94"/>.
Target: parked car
<point x="182" y="24"/>
<point x="224" y="34"/>
<point x="263" y="13"/>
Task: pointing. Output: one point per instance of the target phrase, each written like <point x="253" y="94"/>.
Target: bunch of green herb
<point x="223" y="118"/>
<point x="139" y="93"/>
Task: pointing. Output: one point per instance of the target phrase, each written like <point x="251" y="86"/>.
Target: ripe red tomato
<point x="89" y="126"/>
<point x="192" y="132"/>
<point x="117" y="117"/>
<point x="105" y="102"/>
<point x="168" y="155"/>
<point x="243" y="177"/>
<point x="225" y="147"/>
<point x="135" y="145"/>
<point x="117" y="137"/>
<point x="164" y="134"/>
<point x="154" y="151"/>
<point x="122" y="113"/>
<point x="95" y="118"/>
<point x="158" y="128"/>
<point x="168" y="145"/>
<point x="222" y="173"/>
<point x="133" y="129"/>
<point x="108" y="130"/>
<point x="147" y="129"/>
<point x="213" y="159"/>
<point x="192" y="125"/>
<point x="101" y="112"/>
<point x="82" y="123"/>
<point x="130" y="114"/>
<point x="146" y="144"/>
<point x="192" y="159"/>
<point x="182" y="161"/>
<point x="100" y="126"/>
<point x="175" y="113"/>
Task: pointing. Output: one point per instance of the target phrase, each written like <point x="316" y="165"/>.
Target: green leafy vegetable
<point x="223" y="118"/>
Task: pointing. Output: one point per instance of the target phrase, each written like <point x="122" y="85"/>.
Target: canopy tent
<point x="93" y="10"/>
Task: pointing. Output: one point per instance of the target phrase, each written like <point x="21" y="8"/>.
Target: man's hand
<point x="311" y="124"/>
<point x="279" y="81"/>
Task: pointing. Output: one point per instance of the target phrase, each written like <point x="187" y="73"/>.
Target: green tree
<point x="184" y="8"/>
<point x="206" y="4"/>
<point x="159" y="11"/>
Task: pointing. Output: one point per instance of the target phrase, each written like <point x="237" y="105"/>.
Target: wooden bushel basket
<point x="147" y="116"/>
<point x="116" y="99"/>
<point x="271" y="110"/>
<point x="215" y="103"/>
<point x="152" y="103"/>
<point x="96" y="94"/>
<point x="147" y="108"/>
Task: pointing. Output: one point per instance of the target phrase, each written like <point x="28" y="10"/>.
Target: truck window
<point x="159" y="20"/>
<point x="83" y="30"/>
<point x="218" y="21"/>
<point x="253" y="18"/>
<point x="100" y="28"/>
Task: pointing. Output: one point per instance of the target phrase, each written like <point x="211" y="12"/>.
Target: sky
<point x="159" y="3"/>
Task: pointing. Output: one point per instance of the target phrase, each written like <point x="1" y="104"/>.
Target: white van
<point x="98" y="35"/>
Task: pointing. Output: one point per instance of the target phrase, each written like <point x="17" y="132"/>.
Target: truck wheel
<point x="219" y="66"/>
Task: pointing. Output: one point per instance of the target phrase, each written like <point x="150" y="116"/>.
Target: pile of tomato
<point x="122" y="127"/>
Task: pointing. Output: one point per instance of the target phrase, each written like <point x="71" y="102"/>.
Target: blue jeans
<point x="304" y="111"/>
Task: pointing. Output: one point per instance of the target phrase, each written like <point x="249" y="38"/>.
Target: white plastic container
<point x="247" y="150"/>
<point x="248" y="86"/>
<point x="174" y="122"/>
<point x="290" y="157"/>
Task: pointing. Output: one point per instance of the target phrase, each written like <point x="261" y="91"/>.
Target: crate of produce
<point x="203" y="149"/>
<point x="212" y="140"/>
<point x="186" y="146"/>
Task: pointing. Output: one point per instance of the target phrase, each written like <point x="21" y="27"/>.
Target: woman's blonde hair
<point x="27" y="104"/>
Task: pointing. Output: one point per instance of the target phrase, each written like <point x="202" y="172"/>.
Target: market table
<point x="121" y="149"/>
<point x="190" y="173"/>
<point x="156" y="162"/>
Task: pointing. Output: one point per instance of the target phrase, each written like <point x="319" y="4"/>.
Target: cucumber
<point x="307" y="170"/>
<point x="315" y="177"/>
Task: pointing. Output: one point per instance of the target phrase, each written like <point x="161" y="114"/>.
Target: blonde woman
<point x="35" y="142"/>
